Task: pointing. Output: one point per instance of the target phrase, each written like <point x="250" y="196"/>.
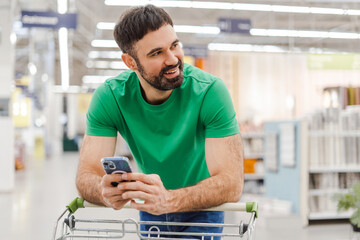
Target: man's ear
<point x="129" y="61"/>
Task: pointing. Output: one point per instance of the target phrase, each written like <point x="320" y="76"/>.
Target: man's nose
<point x="171" y="58"/>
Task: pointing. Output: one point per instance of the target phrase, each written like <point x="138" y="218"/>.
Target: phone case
<point x="116" y="165"/>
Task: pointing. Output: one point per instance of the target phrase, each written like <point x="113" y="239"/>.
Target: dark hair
<point x="136" y="22"/>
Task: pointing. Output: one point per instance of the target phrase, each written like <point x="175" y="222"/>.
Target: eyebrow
<point x="159" y="48"/>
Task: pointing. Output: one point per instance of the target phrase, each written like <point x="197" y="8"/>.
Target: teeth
<point x="171" y="72"/>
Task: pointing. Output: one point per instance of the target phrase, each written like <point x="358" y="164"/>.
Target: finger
<point x="150" y="179"/>
<point x="150" y="208"/>
<point x="139" y="206"/>
<point x="116" y="204"/>
<point x="110" y="195"/>
<point x="109" y="178"/>
<point x="119" y="204"/>
<point x="111" y="191"/>
<point x="136" y="186"/>
<point x="137" y="195"/>
<point x="113" y="200"/>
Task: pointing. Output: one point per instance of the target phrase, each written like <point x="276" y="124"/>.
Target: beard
<point x="160" y="82"/>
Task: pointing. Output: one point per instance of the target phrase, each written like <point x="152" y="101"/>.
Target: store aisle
<point x="46" y="186"/>
<point x="43" y="189"/>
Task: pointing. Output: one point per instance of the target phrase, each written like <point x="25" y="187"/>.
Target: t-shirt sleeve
<point x="99" y="120"/>
<point x="217" y="112"/>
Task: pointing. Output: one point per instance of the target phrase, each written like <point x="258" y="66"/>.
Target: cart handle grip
<point x="76" y="204"/>
<point x="250" y="207"/>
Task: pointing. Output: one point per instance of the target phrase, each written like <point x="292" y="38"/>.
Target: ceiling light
<point x="94" y="78"/>
<point x="264" y="48"/>
<point x="105" y="54"/>
<point x="243" y="48"/>
<point x="196" y="29"/>
<point x="182" y="4"/>
<point x="105" y="25"/>
<point x="13" y="38"/>
<point x="70" y="89"/>
<point x="290" y="9"/>
<point x="32" y="68"/>
<point x="107" y="64"/>
<point x="216" y="30"/>
<point x="104" y="43"/>
<point x="178" y="28"/>
<point x="62" y="6"/>
<point x="252" y="7"/>
<point x="126" y="2"/>
<point x="344" y="35"/>
<point x="235" y="6"/>
<point x="212" y="5"/>
<point x="302" y="33"/>
<point x="64" y="58"/>
<point x="63" y="48"/>
<point x="336" y="11"/>
<point x="118" y="65"/>
<point x="353" y="12"/>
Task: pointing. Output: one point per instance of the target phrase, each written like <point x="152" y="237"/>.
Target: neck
<point x="152" y="95"/>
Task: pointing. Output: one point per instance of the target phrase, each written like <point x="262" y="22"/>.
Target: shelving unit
<point x="326" y="162"/>
<point x="254" y="156"/>
<point x="254" y="165"/>
<point x="254" y="176"/>
<point x="320" y="192"/>
<point x="339" y="169"/>
<point x="334" y="160"/>
<point x="325" y="215"/>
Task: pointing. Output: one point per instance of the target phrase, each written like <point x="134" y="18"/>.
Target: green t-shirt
<point x="166" y="139"/>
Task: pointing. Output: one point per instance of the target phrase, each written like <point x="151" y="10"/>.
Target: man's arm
<point x="224" y="158"/>
<point x="91" y="181"/>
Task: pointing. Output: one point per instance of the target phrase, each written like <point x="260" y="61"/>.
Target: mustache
<point x="167" y="68"/>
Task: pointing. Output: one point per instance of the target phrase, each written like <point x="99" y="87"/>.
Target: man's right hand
<point x="112" y="196"/>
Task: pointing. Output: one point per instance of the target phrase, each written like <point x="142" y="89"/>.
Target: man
<point x="178" y="121"/>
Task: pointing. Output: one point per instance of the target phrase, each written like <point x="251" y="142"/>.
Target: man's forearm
<point x="224" y="157"/>
<point x="208" y="193"/>
<point x="90" y="171"/>
<point x="89" y="187"/>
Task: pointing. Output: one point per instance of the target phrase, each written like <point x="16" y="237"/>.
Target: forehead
<point x="161" y="38"/>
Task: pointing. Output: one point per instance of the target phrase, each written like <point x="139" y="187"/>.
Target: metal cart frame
<point x="118" y="229"/>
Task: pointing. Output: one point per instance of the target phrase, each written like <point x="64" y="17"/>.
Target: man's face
<point x="159" y="59"/>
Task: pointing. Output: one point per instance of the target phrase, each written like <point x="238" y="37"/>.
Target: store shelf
<point x="252" y="135"/>
<point x="320" y="192"/>
<point x="254" y="156"/>
<point x="340" y="169"/>
<point x="254" y="161"/>
<point x="333" y="161"/>
<point x="329" y="215"/>
<point x="254" y="176"/>
<point x="327" y="133"/>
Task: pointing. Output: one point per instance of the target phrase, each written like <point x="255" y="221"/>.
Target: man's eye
<point x="156" y="53"/>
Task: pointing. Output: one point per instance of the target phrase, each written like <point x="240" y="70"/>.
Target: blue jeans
<point x="189" y="217"/>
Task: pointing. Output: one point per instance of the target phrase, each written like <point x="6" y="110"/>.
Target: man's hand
<point x="148" y="188"/>
<point x="112" y="196"/>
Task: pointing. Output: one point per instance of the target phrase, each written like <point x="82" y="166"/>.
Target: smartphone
<point x="116" y="165"/>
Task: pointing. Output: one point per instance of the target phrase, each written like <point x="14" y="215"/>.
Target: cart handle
<point x="250" y="207"/>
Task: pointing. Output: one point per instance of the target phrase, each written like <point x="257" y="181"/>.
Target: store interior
<point x="293" y="71"/>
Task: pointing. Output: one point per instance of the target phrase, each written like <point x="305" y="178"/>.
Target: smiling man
<point x="179" y="123"/>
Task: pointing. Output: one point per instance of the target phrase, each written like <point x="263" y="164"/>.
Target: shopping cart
<point x="73" y="228"/>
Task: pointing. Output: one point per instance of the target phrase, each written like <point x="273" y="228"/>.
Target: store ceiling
<point x="90" y="12"/>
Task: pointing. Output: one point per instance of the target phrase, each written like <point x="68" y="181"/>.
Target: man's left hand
<point x="150" y="189"/>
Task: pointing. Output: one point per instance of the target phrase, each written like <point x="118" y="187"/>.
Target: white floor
<point x="45" y="187"/>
